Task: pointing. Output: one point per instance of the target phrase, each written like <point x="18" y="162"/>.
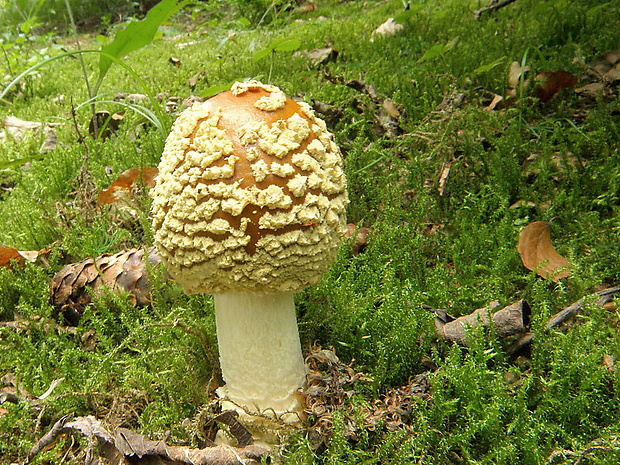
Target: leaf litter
<point x="537" y="252"/>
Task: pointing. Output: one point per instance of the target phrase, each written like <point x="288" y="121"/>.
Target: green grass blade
<point x="5" y="165"/>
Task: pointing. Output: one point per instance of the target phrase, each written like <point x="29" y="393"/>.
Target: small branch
<point x="494" y="5"/>
<point x="563" y="316"/>
<point x="48" y="438"/>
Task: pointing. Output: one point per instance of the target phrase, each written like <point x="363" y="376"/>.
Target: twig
<point x="48" y="438"/>
<point x="492" y="7"/>
<point x="564" y="315"/>
<point x="79" y="134"/>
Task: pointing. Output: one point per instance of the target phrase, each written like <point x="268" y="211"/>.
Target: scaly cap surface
<point x="250" y="194"/>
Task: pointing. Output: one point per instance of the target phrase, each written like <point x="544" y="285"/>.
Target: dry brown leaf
<point x="388" y="28"/>
<point x="306" y="7"/>
<point x="608" y="65"/>
<point x="361" y="237"/>
<point x="496" y="103"/>
<point x="537" y="252"/>
<point x="104" y="124"/>
<point x="608" y="362"/>
<point x="319" y="56"/>
<point x="443" y="178"/>
<point x="9" y="253"/>
<point x="516" y="78"/>
<point x="19" y="128"/>
<point x="593" y="89"/>
<point x="121" y="445"/>
<point x="391" y="108"/>
<point x="195" y="79"/>
<point x="552" y="82"/>
<point x="122" y="188"/>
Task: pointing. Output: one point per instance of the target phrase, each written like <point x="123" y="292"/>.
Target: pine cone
<point x="126" y="271"/>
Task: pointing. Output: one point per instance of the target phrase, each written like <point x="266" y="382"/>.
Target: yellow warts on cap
<point x="250" y="196"/>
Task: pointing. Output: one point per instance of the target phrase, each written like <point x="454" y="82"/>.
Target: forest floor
<point x="483" y="173"/>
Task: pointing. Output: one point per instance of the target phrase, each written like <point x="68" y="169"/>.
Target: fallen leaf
<point x="608" y="362"/>
<point x="19" y="128"/>
<point x="121" y="189"/>
<point x="122" y="445"/>
<point x="131" y="98"/>
<point x="516" y="76"/>
<point x="306" y="7"/>
<point x="593" y="89"/>
<point x="388" y="28"/>
<point x="496" y="103"/>
<point x="391" y="108"/>
<point x="552" y="82"/>
<point x="319" y="56"/>
<point x="193" y="81"/>
<point x="106" y="124"/>
<point x="360" y="236"/>
<point x="608" y="65"/>
<point x="9" y="253"/>
<point x="443" y="178"/>
<point x="537" y="252"/>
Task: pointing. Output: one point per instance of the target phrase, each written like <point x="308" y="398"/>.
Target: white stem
<point x="260" y="352"/>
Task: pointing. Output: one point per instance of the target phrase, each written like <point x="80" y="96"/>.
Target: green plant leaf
<point x="5" y="165"/>
<point x="405" y="16"/>
<point x="262" y="54"/>
<point x="488" y="67"/>
<point x="211" y="91"/>
<point x="137" y="34"/>
<point x="287" y="45"/>
<point x="438" y="50"/>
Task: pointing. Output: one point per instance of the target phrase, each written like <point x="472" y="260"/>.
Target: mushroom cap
<point x="250" y="194"/>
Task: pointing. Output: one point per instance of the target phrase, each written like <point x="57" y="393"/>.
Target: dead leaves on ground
<point x="385" y="112"/>
<point x="18" y="129"/>
<point x="121" y="446"/>
<point x="10" y="254"/>
<point x="123" y="190"/>
<point x="329" y="388"/>
<point x="603" y="74"/>
<point x="538" y="254"/>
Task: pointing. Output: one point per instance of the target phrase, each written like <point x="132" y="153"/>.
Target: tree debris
<point x="493" y="6"/>
<point x="71" y="287"/>
<point x="507" y="322"/>
<point x="537" y="252"/>
<point x="382" y="112"/>
<point x="388" y="28"/>
<point x="9" y="254"/>
<point x="123" y="190"/>
<point x="19" y="128"/>
<point x="329" y="388"/>
<point x="122" y="446"/>
<point x="564" y="316"/>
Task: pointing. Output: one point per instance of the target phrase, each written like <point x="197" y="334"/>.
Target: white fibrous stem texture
<point x="260" y="352"/>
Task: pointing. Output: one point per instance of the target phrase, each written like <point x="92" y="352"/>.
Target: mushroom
<point x="249" y="205"/>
